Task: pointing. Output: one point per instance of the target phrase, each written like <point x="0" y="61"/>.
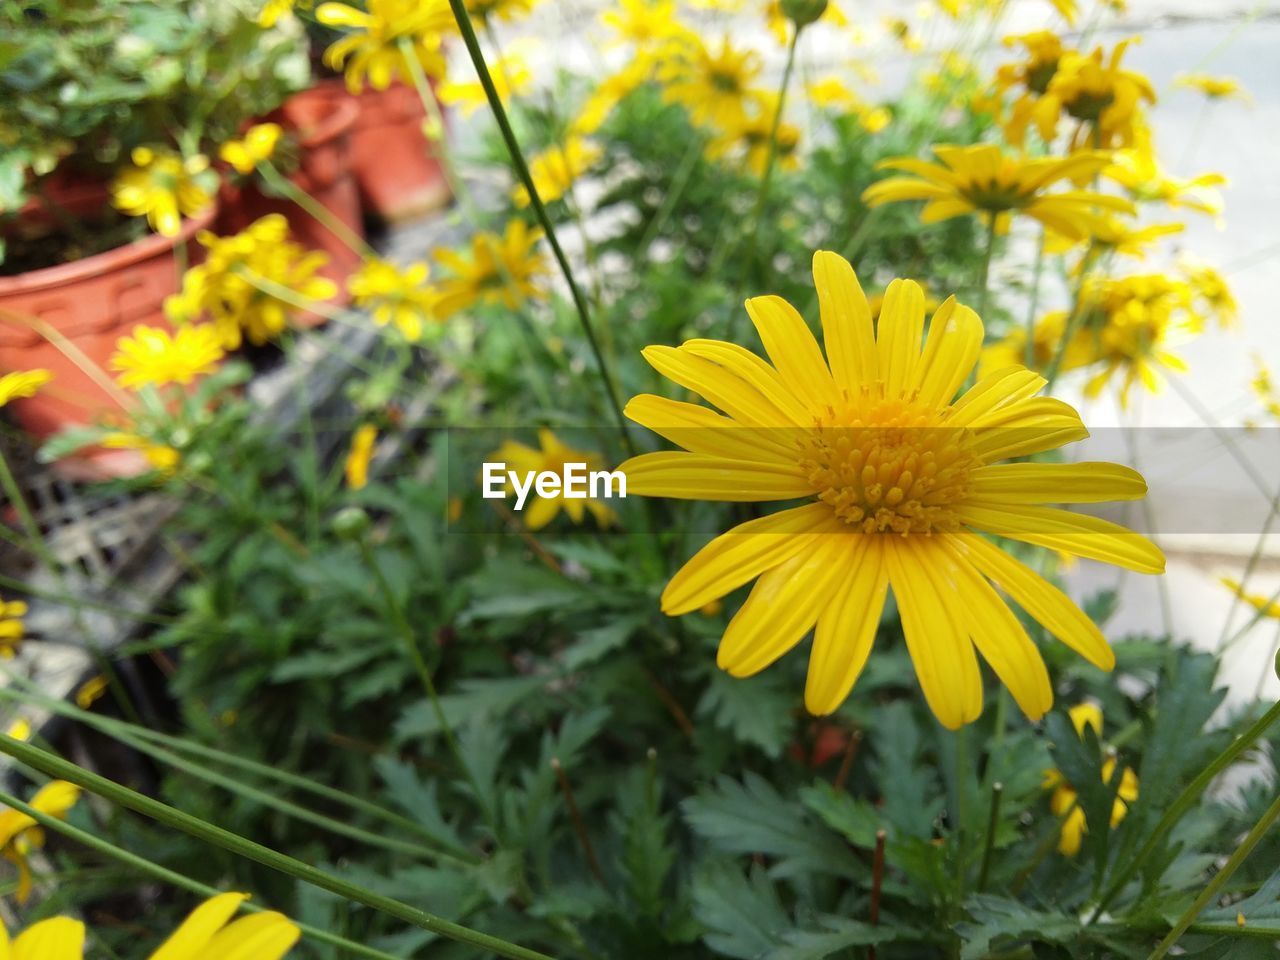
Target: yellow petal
<point x="718" y="386"/>
<point x="199" y="928"/>
<point x="898" y="335"/>
<point x="743" y="553"/>
<point x="793" y="350"/>
<point x="59" y="938"/>
<point x="1075" y="533"/>
<point x="704" y="431"/>
<point x="951" y="350"/>
<point x="693" y="476"/>
<point x="263" y="936"/>
<point x="847" y="331"/>
<point x="1086" y="482"/>
<point x="753" y="370"/>
<point x="846" y="628"/>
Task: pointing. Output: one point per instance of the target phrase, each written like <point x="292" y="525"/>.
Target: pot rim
<point x="339" y="120"/>
<point x="144" y="248"/>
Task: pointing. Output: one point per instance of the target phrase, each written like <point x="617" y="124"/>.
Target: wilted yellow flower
<point x="395" y="295"/>
<point x="209" y="933"/>
<point x="983" y="179"/>
<point x="749" y="136"/>
<point x="152" y="356"/>
<point x="714" y="86"/>
<point x="1063" y="802"/>
<point x="227" y="286"/>
<point x="1215" y="88"/>
<point x="551" y="456"/>
<point x="557" y="168"/>
<point x="900" y="478"/>
<point x="502" y="269"/>
<point x="58" y="938"/>
<point x="373" y="51"/>
<point x="356" y="466"/>
<point x="256" y="146"/>
<point x="1264" y="605"/>
<point x="163" y="187"/>
<point x="21" y="384"/>
<point x="511" y="78"/>
<point x="1139" y="173"/>
<point x="11" y="626"/>
<point x="161" y="457"/>
<point x="20" y="833"/>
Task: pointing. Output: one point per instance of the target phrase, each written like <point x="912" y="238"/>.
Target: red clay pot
<point x="323" y="125"/>
<point x="396" y="168"/>
<point x="62" y="193"/>
<point x="91" y="303"/>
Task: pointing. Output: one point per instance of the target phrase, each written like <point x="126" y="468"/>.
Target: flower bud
<point x="803" y="12"/>
<point x="350" y="523"/>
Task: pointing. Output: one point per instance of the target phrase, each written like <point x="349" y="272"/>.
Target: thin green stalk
<point x="1251" y="840"/>
<point x="961" y="787"/>
<point x="291" y="191"/>
<point x="989" y="842"/>
<point x="522" y="170"/>
<point x="55" y="766"/>
<point x="984" y="273"/>
<point x="771" y="157"/>
<point x="1181" y="805"/>
<point x="1074" y="319"/>
<point x="679" y="182"/>
<point x="174" y="879"/>
<point x="1033" y="306"/>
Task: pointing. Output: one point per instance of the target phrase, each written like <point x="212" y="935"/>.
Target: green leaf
<point x="854" y="818"/>
<point x="417" y="798"/>
<point x="753" y="818"/>
<point x="1000" y="922"/>
<point x="833" y="935"/>
<point x="479" y="698"/>
<point x="912" y="796"/>
<point x="744" y="917"/>
<point x="755" y="710"/>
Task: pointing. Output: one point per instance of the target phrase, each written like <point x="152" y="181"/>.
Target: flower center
<point x="889" y="466"/>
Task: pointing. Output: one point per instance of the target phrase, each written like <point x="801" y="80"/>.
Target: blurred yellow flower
<point x="20" y="833"/>
<point x="831" y="92"/>
<point x="12" y="629"/>
<point x="373" y="52"/>
<point x="1105" y="98"/>
<point x="152" y="356"/>
<point x="1046" y="338"/>
<point x="209" y="933"/>
<point x="395" y="295"/>
<point x="274" y="10"/>
<point x="1264" y="605"/>
<point x="1211" y="293"/>
<point x="228" y="286"/>
<point x="1063" y="801"/>
<point x="163" y="187"/>
<point x="256" y="146"/>
<point x="1215" y="88"/>
<point x="901" y="31"/>
<point x="1264" y="389"/>
<point x="551" y="455"/>
<point x="91" y="691"/>
<point x="749" y="137"/>
<point x="984" y="179"/>
<point x="511" y="78"/>
<point x="1114" y="234"/>
<point x="901" y="480"/>
<point x="714" y="86"/>
<point x="1139" y="173"/>
<point x="58" y="938"/>
<point x="501" y="270"/>
<point x="606" y="95"/>
<point x="21" y="384"/>
<point x="557" y="168"/>
<point x="644" y="23"/>
<point x="162" y="458"/>
<point x="485" y="10"/>
<point x="356" y="466"/>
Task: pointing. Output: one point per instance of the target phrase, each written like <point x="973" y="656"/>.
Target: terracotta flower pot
<point x="396" y="168"/>
<point x="91" y="303"/>
<point x="323" y="125"/>
<point x="62" y="193"/>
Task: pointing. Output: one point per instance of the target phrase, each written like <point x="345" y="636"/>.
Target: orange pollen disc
<point x="889" y="466"/>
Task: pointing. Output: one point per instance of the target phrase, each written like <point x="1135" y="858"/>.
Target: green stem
<point x="165" y="875"/>
<point x="1033" y="306"/>
<point x="1207" y="895"/>
<point x="291" y="191"/>
<point x="522" y="170"/>
<point x="55" y="766"/>
<point x="985" y="271"/>
<point x="989" y="842"/>
<point x="1074" y="319"/>
<point x="1180" y="806"/>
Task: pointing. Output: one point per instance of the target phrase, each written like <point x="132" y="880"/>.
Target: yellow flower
<point x="374" y="50"/>
<point x="1140" y="174"/>
<point x="21" y="384"/>
<point x="511" y="78"/>
<point x="273" y="10"/>
<point x="780" y="24"/>
<point x="152" y="356"/>
<point x="1215" y="88"/>
<point x="256" y="146"/>
<point x="1210" y="292"/>
<point x="356" y="467"/>
<point x="20" y="833"/>
<point x="1117" y="235"/>
<point x="901" y="31"/>
<point x="483" y="10"/>
<point x="983" y="178"/>
<point x="1264" y="388"/>
<point x="715" y="87"/>
<point x="209" y="933"/>
<point x="644" y="23"/>
<point x="552" y="455"/>
<point x="1063" y="801"/>
<point x="11" y="627"/>
<point x="501" y="270"/>
<point x="227" y="286"/>
<point x="749" y="135"/>
<point x="607" y="94"/>
<point x="162" y="458"/>
<point x="58" y="938"/>
<point x="91" y="691"/>
<point x="1105" y="98"/>
<point x="394" y="295"/>
<point x="1046" y="338"/>
<point x="557" y="168"/>
<point x="831" y="92"/>
<point x="163" y="187"/>
<point x="20" y="729"/>
<point x="1069" y="9"/>
<point x="1264" y="605"/>
<point x="901" y="481"/>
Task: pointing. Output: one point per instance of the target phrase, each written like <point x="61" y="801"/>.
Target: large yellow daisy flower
<point x="902" y="481"/>
<point x="984" y="178"/>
